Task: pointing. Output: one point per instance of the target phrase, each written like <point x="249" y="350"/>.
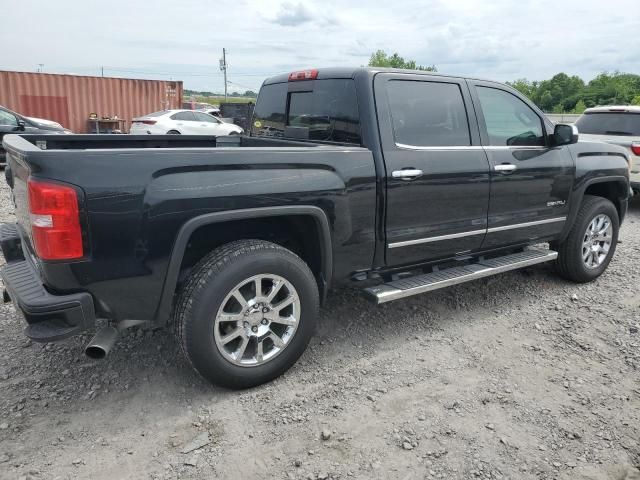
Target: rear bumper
<point x="49" y="317"/>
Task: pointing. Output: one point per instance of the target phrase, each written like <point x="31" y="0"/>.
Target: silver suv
<point x="615" y="124"/>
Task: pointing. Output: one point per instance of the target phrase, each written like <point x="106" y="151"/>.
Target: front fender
<point x="603" y="165"/>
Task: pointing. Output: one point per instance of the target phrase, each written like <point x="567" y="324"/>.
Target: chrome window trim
<point x="526" y="224"/>
<point x="470" y="147"/>
<point x="419" y="241"/>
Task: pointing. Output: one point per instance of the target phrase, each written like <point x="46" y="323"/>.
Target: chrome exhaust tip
<point x="102" y="343"/>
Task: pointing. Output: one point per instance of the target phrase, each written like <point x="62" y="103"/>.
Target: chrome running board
<point x="409" y="286"/>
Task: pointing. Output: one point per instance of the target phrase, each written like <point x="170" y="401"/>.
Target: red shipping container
<point x="70" y="99"/>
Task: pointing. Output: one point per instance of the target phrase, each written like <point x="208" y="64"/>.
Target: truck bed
<point x="137" y="192"/>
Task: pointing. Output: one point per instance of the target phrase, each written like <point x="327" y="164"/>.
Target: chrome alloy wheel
<point x="597" y="240"/>
<point x="257" y="320"/>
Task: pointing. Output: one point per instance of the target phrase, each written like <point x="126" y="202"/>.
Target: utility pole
<point x="223" y="67"/>
<point x="102" y="71"/>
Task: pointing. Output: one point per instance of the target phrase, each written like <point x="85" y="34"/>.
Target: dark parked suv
<point x="390" y="181"/>
<point x="12" y="122"/>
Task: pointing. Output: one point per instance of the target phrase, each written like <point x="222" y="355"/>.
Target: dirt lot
<point x="519" y="376"/>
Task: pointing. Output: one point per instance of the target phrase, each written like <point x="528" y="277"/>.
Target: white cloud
<point x="501" y="39"/>
<point x="292" y="15"/>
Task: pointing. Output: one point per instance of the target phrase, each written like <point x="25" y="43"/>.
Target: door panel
<point x="185" y="122"/>
<point x="530" y="181"/>
<point x="439" y="210"/>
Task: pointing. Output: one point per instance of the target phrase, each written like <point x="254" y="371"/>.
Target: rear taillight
<point x="635" y="148"/>
<point x="146" y="122"/>
<point x="303" y="75"/>
<point x="55" y="221"/>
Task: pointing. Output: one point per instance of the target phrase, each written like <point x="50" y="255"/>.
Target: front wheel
<point x="586" y="252"/>
<point x="247" y="313"/>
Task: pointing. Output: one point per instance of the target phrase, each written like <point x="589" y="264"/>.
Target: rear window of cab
<point x="327" y="112"/>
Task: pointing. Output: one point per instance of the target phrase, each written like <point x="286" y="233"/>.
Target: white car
<point x="185" y="122"/>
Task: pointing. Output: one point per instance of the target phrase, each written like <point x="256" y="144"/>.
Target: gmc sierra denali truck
<point x="395" y="182"/>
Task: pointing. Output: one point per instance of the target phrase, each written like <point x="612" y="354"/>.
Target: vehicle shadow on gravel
<point x="143" y="353"/>
<point x="149" y="355"/>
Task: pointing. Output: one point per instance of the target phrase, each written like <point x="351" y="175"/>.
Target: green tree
<point x="580" y="107"/>
<point x="559" y="92"/>
<point x="381" y="59"/>
<point x="610" y="89"/>
<point x="635" y="100"/>
<point x="524" y="86"/>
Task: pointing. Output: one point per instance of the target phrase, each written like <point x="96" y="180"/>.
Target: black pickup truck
<point x="395" y="182"/>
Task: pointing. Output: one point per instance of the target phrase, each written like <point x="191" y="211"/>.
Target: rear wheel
<point x="247" y="313"/>
<point x="591" y="243"/>
<point x="173" y="132"/>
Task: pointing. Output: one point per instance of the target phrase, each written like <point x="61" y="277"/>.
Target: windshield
<point x="327" y="111"/>
<point x="610" y="123"/>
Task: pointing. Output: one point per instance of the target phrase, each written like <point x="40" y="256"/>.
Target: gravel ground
<point x="518" y="376"/>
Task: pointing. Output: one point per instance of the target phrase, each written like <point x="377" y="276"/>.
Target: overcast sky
<point x="183" y="39"/>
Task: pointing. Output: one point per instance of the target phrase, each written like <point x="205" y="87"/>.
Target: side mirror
<point x="564" y="134"/>
<point x="21" y="125"/>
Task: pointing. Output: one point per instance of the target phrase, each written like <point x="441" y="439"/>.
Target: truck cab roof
<point x="352" y="72"/>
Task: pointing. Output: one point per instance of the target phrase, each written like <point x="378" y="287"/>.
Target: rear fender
<point x="164" y="309"/>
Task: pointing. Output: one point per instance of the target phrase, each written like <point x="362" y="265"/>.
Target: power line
<point x="240" y="85"/>
<point x="190" y="74"/>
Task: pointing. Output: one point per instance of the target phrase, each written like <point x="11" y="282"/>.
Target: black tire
<point x="570" y="264"/>
<point x="173" y="132"/>
<point x="212" y="279"/>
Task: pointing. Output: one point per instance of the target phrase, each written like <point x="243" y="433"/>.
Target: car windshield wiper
<point x="617" y="132"/>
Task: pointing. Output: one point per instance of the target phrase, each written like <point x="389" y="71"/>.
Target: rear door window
<point x="610" y="123"/>
<point x="328" y="111"/>
<point x="184" y="116"/>
<point x="204" y="117"/>
<point x="428" y="114"/>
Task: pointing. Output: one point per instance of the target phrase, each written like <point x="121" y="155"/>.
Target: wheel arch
<point x="188" y="229"/>
<point x="613" y="188"/>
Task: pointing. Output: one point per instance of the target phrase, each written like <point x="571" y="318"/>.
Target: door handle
<point x="407" y="174"/>
<point x="505" y="168"/>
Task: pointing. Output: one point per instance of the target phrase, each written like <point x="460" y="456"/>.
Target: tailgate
<point x="17" y="174"/>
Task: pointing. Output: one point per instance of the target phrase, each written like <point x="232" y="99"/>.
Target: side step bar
<point x="409" y="286"/>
